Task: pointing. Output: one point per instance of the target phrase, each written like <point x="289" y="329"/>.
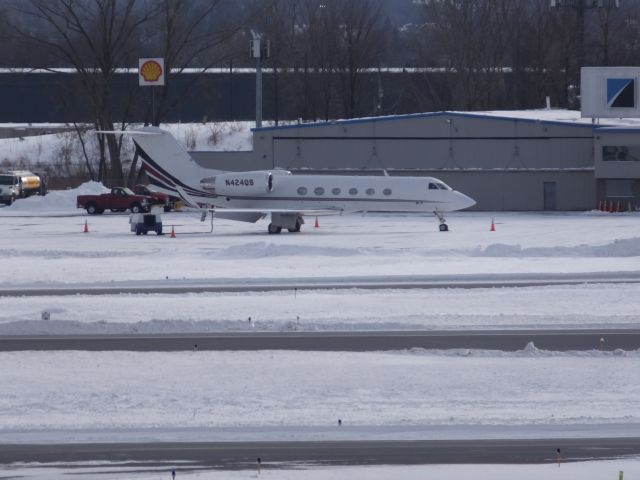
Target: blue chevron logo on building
<point x="621" y="92"/>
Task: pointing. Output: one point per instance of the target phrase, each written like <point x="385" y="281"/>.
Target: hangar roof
<point x="550" y="116"/>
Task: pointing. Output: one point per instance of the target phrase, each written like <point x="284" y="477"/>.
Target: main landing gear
<point x="443" y="223"/>
<point x="288" y="221"/>
<point x="273" y="228"/>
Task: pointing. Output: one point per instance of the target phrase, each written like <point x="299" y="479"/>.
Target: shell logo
<point x="151" y="71"/>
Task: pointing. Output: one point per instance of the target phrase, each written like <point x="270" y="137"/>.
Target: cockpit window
<point x="432" y="186"/>
<point x="443" y="186"/>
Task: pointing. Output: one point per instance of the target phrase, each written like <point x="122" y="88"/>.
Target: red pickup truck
<point x="118" y="200"/>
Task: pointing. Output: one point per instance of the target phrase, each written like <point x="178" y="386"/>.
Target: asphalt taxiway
<point x="227" y="285"/>
<point x="506" y="340"/>
<point x="235" y="455"/>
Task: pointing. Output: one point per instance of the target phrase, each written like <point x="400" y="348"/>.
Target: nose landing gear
<point x="443" y="223"/>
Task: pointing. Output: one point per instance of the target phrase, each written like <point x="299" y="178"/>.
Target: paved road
<point x="507" y="340"/>
<point x="233" y="455"/>
<point x="294" y="284"/>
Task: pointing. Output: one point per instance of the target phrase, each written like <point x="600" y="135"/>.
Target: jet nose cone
<point x="465" y="201"/>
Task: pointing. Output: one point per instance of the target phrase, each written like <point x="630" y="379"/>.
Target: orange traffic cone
<point x="173" y="232"/>
<point x="317" y="224"/>
<point x="493" y="226"/>
<point x="86" y="227"/>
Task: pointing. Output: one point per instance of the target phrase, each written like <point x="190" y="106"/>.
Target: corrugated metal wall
<point x="503" y="163"/>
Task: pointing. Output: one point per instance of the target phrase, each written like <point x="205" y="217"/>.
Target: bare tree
<point x="316" y="57"/>
<point x="359" y="46"/>
<point x="465" y="31"/>
<point x="278" y="24"/>
<point x="95" y="37"/>
<point x="193" y="34"/>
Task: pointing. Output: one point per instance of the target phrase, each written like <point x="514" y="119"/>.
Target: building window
<point x="336" y="191"/>
<point x="319" y="191"/>
<point x="302" y="190"/>
<point x="353" y="191"/>
<point x="629" y="153"/>
<point x="387" y="191"/>
<point x="371" y="191"/>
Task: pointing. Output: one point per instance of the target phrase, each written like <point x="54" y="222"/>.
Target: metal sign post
<point x="151" y="73"/>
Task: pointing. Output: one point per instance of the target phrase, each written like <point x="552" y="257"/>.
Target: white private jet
<point x="250" y="196"/>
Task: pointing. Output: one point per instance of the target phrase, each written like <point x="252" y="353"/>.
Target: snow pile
<point x="264" y="250"/>
<point x="529" y="351"/>
<point x="627" y="247"/>
<point x="56" y="200"/>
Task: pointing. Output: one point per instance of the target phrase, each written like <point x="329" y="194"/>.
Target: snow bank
<point x="627" y="247"/>
<point x="268" y="249"/>
<point x="55" y="200"/>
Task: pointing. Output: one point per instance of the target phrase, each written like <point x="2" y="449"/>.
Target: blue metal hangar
<point x="506" y="160"/>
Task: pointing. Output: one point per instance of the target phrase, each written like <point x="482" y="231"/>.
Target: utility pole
<point x="258" y="50"/>
<point x="231" y="89"/>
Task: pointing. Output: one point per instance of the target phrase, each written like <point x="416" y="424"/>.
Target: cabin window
<point x="371" y="191"/>
<point x="336" y="191"/>
<point x="302" y="190"/>
<point x="353" y="191"/>
<point x="386" y="191"/>
<point x="319" y="191"/>
<point x="432" y="186"/>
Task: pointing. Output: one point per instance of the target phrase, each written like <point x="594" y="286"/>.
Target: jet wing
<point x="281" y="211"/>
<point x="261" y="211"/>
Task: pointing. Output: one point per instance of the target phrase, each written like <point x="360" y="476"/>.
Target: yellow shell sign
<point x="151" y="71"/>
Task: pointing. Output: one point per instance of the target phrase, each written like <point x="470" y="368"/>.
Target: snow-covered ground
<point x="597" y="470"/>
<point x="42" y="244"/>
<point x="46" y="247"/>
<point x="69" y="395"/>
<point x="219" y="393"/>
<point x="553" y="307"/>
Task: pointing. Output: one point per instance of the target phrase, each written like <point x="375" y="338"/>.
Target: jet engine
<point x="239" y="183"/>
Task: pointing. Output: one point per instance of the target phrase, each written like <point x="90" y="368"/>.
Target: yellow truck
<point x="19" y="184"/>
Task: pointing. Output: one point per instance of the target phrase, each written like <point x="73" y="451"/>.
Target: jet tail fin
<point x="169" y="165"/>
